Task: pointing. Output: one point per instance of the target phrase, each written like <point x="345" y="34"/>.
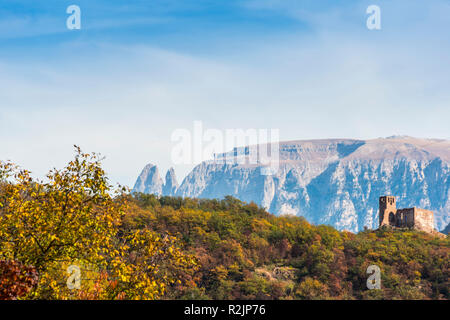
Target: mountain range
<point x="330" y="181"/>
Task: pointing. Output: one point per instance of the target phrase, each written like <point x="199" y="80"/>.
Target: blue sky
<point x="137" y="70"/>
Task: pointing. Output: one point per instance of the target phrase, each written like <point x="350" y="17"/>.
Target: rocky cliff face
<point x="336" y="182"/>
<point x="149" y="181"/>
<point x="446" y="230"/>
<point x="171" y="185"/>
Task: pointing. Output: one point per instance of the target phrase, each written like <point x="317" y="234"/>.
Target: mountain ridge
<point x="330" y="181"/>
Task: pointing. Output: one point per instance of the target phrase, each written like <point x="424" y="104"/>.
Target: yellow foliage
<point x="73" y="219"/>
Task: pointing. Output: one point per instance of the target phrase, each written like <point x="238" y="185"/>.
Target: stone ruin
<point x="412" y="218"/>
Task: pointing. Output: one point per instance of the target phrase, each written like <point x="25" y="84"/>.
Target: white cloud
<point x="124" y="101"/>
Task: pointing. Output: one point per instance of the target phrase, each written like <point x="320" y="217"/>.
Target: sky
<point x="138" y="70"/>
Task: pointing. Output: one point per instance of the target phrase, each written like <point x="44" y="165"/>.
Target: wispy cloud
<point x="124" y="97"/>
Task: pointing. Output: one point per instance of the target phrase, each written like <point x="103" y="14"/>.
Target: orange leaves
<point x="16" y="280"/>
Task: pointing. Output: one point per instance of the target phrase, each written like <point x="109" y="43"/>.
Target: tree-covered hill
<point x="74" y="236"/>
<point x="246" y="253"/>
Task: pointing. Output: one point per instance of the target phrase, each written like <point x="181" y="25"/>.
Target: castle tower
<point x="388" y="210"/>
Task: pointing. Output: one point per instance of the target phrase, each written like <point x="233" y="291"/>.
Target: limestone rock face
<point x="336" y="181"/>
<point x="171" y="185"/>
<point x="446" y="230"/>
<point x="149" y="181"/>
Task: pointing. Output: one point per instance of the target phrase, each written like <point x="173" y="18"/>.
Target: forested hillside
<point x="147" y="247"/>
<point x="245" y="253"/>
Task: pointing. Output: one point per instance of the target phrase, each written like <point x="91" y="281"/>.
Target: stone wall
<point x="416" y="218"/>
<point x="423" y="220"/>
<point x="405" y="218"/>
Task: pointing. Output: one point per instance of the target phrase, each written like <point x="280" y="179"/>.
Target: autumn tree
<point x="74" y="218"/>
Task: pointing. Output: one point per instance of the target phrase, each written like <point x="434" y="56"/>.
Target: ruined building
<point x="415" y="218"/>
